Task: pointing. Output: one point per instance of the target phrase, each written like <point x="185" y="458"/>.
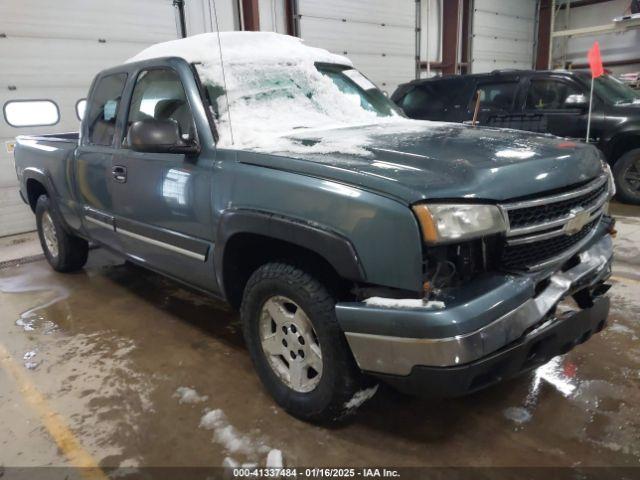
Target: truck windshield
<point x="277" y="99"/>
<point x="614" y="91"/>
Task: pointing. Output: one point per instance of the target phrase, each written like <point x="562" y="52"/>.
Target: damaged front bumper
<point x="501" y="322"/>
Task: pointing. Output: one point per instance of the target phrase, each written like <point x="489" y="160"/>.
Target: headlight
<point x="442" y="223"/>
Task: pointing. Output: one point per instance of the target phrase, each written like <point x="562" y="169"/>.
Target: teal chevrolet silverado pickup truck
<point x="358" y="245"/>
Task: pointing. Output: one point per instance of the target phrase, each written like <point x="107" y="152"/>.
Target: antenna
<point x="224" y="78"/>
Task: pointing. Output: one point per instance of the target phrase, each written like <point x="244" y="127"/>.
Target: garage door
<point x="379" y="36"/>
<point x="50" y="51"/>
<point x="503" y="35"/>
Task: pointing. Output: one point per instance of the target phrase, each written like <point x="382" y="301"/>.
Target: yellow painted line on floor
<point x="67" y="442"/>
<point x="624" y="279"/>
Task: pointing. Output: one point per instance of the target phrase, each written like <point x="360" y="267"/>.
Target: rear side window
<point x="103" y="108"/>
<point x="416" y="102"/>
<point x="496" y="96"/>
<point x="31" y="113"/>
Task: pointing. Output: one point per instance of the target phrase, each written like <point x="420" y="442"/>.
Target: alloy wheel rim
<point x="49" y="233"/>
<point x="290" y="344"/>
<point x="632" y="176"/>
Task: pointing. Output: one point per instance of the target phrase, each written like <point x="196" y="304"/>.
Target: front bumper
<point x="401" y="342"/>
<point x="555" y="337"/>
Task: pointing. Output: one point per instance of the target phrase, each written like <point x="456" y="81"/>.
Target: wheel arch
<point x="247" y="239"/>
<point x="36" y="183"/>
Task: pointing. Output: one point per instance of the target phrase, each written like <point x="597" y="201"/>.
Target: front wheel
<point x="626" y="171"/>
<point x="297" y="346"/>
<point x="64" y="252"/>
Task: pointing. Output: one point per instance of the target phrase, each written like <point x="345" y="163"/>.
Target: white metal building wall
<point x="379" y="36"/>
<point x="201" y="16"/>
<point x="614" y="46"/>
<point x="52" y="50"/>
<point x="503" y="34"/>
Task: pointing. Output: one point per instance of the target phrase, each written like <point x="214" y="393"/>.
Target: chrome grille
<point x="545" y="230"/>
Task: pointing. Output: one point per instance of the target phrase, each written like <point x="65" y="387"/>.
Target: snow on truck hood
<point x="273" y="89"/>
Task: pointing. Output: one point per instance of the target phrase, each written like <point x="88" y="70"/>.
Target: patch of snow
<point x="31" y="365"/>
<point x="213" y="419"/>
<point x="274" y="459"/>
<point x="518" y="415"/>
<point x="189" y="395"/>
<point x="229" y="462"/>
<point x="228" y="436"/>
<point x="360" y="397"/>
<point x="29" y="355"/>
<point x="273" y="90"/>
<point x="619" y="328"/>
<point x="404" y="303"/>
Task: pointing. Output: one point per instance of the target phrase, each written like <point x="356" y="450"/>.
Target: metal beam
<point x="450" y="35"/>
<point x="251" y="15"/>
<point x="608" y="28"/>
<point x="544" y="35"/>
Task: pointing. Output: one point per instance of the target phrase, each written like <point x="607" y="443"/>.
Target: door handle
<point x="119" y="173"/>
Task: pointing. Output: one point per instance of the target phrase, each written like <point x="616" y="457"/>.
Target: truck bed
<point x="48" y="160"/>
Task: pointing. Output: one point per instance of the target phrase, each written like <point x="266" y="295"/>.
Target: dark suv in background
<point x="555" y="102"/>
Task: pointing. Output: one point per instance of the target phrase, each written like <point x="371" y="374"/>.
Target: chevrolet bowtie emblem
<point x="578" y="218"/>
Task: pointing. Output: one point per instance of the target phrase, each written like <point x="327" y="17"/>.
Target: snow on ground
<point x="229" y="437"/>
<point x="189" y="395"/>
<point x="274" y="459"/>
<point x="274" y="89"/>
<point x="360" y="397"/>
<point x="403" y="303"/>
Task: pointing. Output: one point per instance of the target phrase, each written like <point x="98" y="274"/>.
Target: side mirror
<point x="159" y="136"/>
<point x="577" y="100"/>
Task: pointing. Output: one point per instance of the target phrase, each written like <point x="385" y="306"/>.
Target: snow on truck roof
<point x="240" y="47"/>
<point x="274" y="86"/>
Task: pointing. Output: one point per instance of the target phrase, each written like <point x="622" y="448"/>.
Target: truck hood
<point x="418" y="160"/>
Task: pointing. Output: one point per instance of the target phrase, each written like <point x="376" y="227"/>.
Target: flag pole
<point x="589" y="115"/>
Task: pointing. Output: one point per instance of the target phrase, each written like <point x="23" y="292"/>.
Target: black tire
<point x="628" y="164"/>
<point x="72" y="251"/>
<point x="340" y="380"/>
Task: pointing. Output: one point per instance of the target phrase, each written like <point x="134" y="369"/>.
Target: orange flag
<point x="595" y="61"/>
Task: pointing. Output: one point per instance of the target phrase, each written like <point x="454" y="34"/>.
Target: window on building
<point x="31" y="113"/>
<point x="103" y="108"/>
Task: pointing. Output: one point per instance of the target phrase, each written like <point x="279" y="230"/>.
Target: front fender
<point x="339" y="221"/>
<point x="621" y="139"/>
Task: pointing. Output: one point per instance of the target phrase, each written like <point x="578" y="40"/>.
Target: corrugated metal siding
<point x="52" y="50"/>
<point x="377" y="35"/>
<point x="614" y="46"/>
<point x="503" y="34"/>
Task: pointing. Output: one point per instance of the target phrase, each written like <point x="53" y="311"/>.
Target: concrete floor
<point x="93" y="361"/>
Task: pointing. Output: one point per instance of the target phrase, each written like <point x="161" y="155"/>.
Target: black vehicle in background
<point x="555" y="102"/>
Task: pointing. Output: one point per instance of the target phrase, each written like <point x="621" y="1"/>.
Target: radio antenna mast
<point x="224" y="78"/>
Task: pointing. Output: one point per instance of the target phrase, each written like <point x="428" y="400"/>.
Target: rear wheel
<point x="297" y="346"/>
<point x="63" y="251"/>
<point x="626" y="171"/>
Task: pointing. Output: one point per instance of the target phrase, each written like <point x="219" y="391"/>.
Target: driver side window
<point x="159" y="95"/>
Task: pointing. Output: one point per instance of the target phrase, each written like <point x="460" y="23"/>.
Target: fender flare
<point x="337" y="250"/>
<point x="611" y="141"/>
<point x="42" y="177"/>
